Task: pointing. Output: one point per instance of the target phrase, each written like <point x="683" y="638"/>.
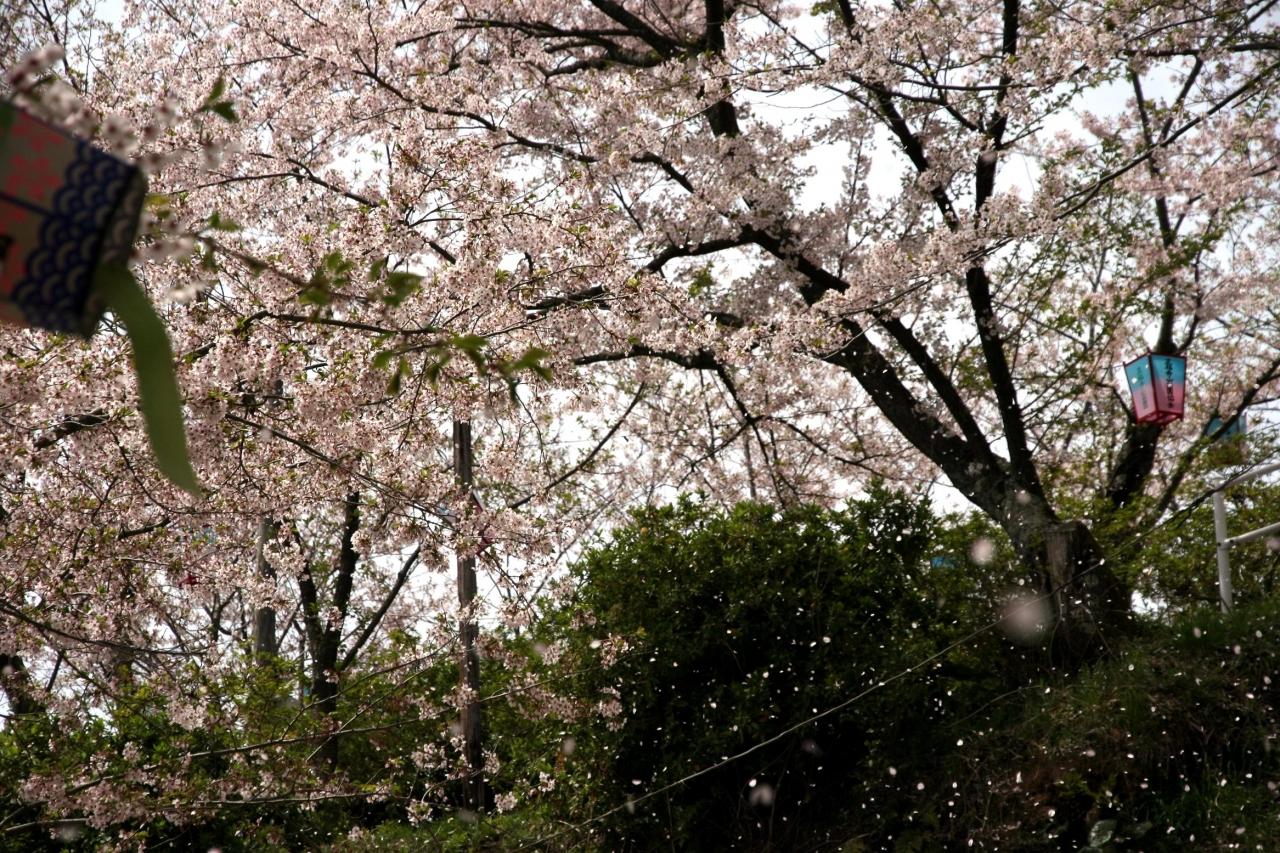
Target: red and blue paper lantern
<point x="1158" y="384"/>
<point x="67" y="209"/>
<point x="69" y="213"/>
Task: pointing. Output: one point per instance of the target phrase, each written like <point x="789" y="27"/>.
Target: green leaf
<point x="316" y="294"/>
<point x="400" y="286"/>
<point x="402" y="370"/>
<point x="158" y="204"/>
<point x="469" y="343"/>
<point x="208" y="261"/>
<point x="335" y="263"/>
<point x="215" y="103"/>
<point x="472" y="347"/>
<point x="382" y="359"/>
<point x="160" y="401"/>
<point x="217" y="223"/>
<point x="1101" y="832"/>
<point x="531" y="361"/>
<point x="702" y="281"/>
<point x="434" y="368"/>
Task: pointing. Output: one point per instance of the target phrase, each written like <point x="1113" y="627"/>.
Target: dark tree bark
<point x="264" y="624"/>
<point x="469" y="660"/>
<point x="21" y="693"/>
<point x="324" y="632"/>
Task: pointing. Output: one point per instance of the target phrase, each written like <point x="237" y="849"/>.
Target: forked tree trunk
<point x="324" y="632"/>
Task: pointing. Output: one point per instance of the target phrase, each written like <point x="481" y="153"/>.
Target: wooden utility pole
<point x="469" y="665"/>
<point x="264" y="626"/>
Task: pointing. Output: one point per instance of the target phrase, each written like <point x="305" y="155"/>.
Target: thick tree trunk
<point x="469" y="664"/>
<point x="324" y="632"/>
<point x="1088" y="602"/>
<point x="21" y="693"/>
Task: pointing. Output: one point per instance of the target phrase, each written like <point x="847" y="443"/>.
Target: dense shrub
<point x="738" y="625"/>
<point x="1169" y="745"/>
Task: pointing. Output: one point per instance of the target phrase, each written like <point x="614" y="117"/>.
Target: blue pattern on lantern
<point x="83" y="230"/>
<point x="1138" y="374"/>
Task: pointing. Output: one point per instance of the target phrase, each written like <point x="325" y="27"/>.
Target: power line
<point x="632" y="802"/>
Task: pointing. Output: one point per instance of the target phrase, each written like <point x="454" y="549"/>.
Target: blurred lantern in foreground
<point x="68" y="216"/>
<point x="1158" y="386"/>
<point x="66" y="209"/>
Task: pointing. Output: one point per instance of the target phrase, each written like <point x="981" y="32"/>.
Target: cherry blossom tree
<point x="650" y="194"/>
<point x="748" y="248"/>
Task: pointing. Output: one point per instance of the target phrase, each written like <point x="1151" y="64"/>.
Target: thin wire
<point x="632" y="802"/>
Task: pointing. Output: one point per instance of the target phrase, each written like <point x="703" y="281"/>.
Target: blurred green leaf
<point x="434" y="368"/>
<point x="397" y="378"/>
<point x="160" y="401"/>
<point x="217" y="223"/>
<point x="316" y="294"/>
<point x="400" y="286"/>
<point x="531" y="361"/>
<point x="214" y="102"/>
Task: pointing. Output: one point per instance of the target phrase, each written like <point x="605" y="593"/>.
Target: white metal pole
<point x="1224" y="548"/>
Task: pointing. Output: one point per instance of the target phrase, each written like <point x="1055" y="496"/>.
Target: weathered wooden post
<point x="469" y="664"/>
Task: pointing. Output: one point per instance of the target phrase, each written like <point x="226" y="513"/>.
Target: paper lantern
<point x="1230" y="448"/>
<point x="68" y="216"/>
<point x="1237" y="427"/>
<point x="1158" y="386"/>
<point x="67" y="209"/>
